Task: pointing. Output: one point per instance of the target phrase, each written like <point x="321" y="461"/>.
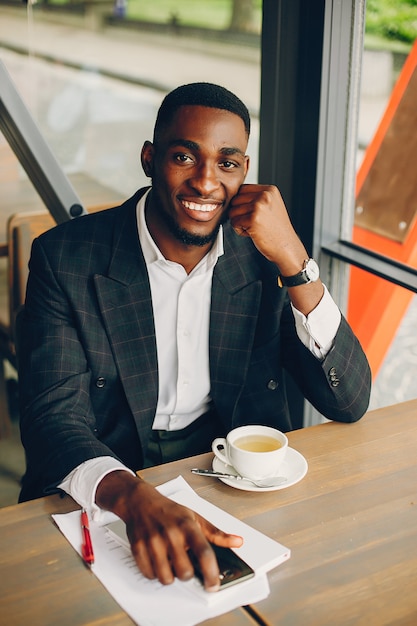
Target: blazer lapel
<point x="125" y="301"/>
<point x="236" y="295"/>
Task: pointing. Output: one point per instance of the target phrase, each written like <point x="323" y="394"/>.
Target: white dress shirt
<point x="181" y="307"/>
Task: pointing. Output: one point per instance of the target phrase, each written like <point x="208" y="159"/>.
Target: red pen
<point x="87" y="546"/>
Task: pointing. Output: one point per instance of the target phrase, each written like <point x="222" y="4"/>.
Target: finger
<point x="241" y="207"/>
<point x="143" y="559"/>
<point x="200" y="551"/>
<point x="207" y="563"/>
<point x="217" y="536"/>
<point x="152" y="559"/>
<point x="249" y="192"/>
<point x="250" y="196"/>
<point x="240" y="230"/>
<point x="181" y="562"/>
<point x="182" y="565"/>
<point x="161" y="561"/>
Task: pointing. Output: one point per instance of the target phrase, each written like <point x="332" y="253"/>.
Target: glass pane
<point x="93" y="80"/>
<point x="382" y="315"/>
<point x="92" y="77"/>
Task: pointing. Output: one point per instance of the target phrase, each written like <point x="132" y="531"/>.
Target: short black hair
<point x="199" y="94"/>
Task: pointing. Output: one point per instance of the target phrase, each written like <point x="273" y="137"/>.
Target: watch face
<point x="312" y="270"/>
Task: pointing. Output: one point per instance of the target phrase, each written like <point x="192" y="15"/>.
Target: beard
<point x="188" y="238"/>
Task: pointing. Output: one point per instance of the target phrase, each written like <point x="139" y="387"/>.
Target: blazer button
<point x="100" y="382"/>
<point x="334" y="381"/>
<point x="272" y="385"/>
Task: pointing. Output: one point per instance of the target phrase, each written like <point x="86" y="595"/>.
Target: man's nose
<point x="205" y="179"/>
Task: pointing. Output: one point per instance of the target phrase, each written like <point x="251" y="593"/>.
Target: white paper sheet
<point x="149" y="603"/>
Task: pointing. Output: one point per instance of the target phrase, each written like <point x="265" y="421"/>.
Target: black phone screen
<point x="232" y="568"/>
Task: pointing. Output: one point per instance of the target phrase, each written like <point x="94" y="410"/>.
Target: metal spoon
<point x="274" y="481"/>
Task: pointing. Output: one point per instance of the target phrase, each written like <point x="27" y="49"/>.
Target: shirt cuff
<point x="318" y="330"/>
<point x="82" y="482"/>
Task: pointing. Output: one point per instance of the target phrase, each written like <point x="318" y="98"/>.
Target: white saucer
<point x="294" y="468"/>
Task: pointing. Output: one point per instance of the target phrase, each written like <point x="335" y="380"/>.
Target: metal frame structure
<point x="34" y="154"/>
<point x="291" y="68"/>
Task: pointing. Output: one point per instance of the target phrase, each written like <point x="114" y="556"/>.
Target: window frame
<point x="311" y="58"/>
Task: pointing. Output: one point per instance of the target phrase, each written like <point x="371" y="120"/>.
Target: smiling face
<point x="197" y="166"/>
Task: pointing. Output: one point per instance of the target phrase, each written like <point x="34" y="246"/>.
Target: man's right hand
<point x="161" y="531"/>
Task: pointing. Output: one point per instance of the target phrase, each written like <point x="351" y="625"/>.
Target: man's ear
<point x="147" y="157"/>
<point x="247" y="163"/>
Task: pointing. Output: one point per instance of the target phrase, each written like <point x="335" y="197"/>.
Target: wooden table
<point x="351" y="525"/>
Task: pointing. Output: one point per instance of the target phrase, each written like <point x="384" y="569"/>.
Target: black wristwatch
<point x="309" y="274"/>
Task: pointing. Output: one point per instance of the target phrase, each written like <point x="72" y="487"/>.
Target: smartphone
<point x="232" y="568"/>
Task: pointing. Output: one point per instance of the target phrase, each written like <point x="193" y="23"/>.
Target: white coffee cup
<point x="254" y="451"/>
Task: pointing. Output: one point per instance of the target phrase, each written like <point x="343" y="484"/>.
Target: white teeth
<point x="205" y="208"/>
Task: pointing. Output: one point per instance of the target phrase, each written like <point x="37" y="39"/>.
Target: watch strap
<point x="301" y="278"/>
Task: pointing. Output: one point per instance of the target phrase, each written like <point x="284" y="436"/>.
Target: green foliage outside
<point x="389" y="23"/>
<point x="390" y="20"/>
<point x="394" y="21"/>
<point x="213" y="14"/>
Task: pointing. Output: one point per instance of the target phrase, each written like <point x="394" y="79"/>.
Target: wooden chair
<point x="22" y="229"/>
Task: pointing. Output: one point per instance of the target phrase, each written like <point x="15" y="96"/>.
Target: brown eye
<point x="229" y="165"/>
<point x="182" y="158"/>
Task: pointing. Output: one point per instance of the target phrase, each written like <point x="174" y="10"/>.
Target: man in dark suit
<point x="155" y="326"/>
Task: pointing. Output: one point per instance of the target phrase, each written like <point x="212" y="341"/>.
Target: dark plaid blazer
<point x="88" y="376"/>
